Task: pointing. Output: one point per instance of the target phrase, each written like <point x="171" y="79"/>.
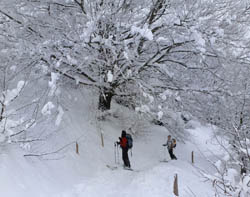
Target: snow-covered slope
<point x="67" y="174"/>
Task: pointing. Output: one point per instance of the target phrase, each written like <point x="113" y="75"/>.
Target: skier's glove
<point x="164" y="144"/>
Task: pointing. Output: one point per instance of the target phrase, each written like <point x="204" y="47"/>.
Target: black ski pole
<point x="118" y="154"/>
<point x="165" y="153"/>
<point x="115" y="151"/>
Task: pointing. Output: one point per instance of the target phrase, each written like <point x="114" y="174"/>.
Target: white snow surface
<point x="110" y="76"/>
<point x="12" y="94"/>
<point x="59" y="116"/>
<point x="52" y="83"/>
<point x="144" y="32"/>
<point x="68" y="174"/>
<point x="47" y="108"/>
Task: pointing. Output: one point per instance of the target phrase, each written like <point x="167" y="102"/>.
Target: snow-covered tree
<point x="121" y="47"/>
<point x="26" y="91"/>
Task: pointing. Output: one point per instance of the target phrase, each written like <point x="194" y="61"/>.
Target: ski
<point x="125" y="168"/>
<point x="112" y="167"/>
<point x="116" y="168"/>
<point x="130" y="169"/>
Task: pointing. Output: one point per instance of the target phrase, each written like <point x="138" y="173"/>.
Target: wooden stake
<point x="77" y="148"/>
<point x="192" y="157"/>
<point x="102" y="139"/>
<point x="176" y="192"/>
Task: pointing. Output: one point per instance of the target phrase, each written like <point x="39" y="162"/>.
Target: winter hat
<point x="123" y="133"/>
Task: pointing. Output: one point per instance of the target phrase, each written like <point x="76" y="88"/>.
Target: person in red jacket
<point x="123" y="141"/>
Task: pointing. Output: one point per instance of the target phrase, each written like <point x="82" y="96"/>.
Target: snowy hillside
<point x="75" y="73"/>
<point x="67" y="174"/>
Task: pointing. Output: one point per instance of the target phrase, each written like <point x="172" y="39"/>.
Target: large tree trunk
<point x="105" y="100"/>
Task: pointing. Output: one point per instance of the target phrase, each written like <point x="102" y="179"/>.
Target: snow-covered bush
<point x="229" y="179"/>
<point x="26" y="104"/>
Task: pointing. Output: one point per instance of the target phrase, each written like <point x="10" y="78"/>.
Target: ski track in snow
<point x="153" y="177"/>
<point x="86" y="174"/>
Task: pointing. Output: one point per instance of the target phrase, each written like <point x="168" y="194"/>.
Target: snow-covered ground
<point x="67" y="174"/>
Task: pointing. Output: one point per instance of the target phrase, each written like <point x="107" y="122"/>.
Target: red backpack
<point x="123" y="142"/>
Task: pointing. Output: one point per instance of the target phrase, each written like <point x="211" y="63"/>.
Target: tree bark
<point x="105" y="99"/>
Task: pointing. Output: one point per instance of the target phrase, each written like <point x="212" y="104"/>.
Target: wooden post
<point x="77" y="148"/>
<point x="102" y="139"/>
<point x="176" y="192"/>
<point x="192" y="157"/>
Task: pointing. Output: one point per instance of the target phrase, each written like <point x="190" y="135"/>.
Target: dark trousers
<point x="125" y="157"/>
<point x="171" y="154"/>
